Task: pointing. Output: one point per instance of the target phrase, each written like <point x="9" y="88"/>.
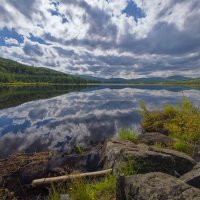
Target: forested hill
<point x="12" y="72"/>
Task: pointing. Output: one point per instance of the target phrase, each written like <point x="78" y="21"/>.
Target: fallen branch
<point x="43" y="181"/>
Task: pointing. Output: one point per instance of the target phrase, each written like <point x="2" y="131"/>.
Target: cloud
<point x="106" y="38"/>
<point x="32" y="50"/>
<point x="11" y="41"/>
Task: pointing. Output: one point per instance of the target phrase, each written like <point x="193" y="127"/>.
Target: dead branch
<point x="43" y="181"/>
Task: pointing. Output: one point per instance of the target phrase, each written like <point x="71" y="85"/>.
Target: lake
<point x="57" y="118"/>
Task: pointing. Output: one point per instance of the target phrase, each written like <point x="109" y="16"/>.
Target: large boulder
<point x="155" y="186"/>
<point x="116" y="152"/>
<point x="193" y="177"/>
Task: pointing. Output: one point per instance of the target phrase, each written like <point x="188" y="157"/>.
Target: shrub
<point x="128" y="134"/>
<point x="180" y="121"/>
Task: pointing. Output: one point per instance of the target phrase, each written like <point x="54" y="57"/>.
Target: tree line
<point x="11" y="71"/>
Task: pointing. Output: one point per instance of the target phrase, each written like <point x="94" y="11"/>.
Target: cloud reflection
<point x="86" y="117"/>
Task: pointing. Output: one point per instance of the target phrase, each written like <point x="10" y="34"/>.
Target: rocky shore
<point x="160" y="172"/>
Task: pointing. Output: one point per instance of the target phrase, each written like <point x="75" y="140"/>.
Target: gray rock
<point x="192" y="178"/>
<point x="197" y="166"/>
<point x="153" y="138"/>
<point x="155" y="186"/>
<point x="1" y="181"/>
<point x="145" y="158"/>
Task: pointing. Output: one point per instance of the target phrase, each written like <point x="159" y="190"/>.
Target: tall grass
<point x="83" y="189"/>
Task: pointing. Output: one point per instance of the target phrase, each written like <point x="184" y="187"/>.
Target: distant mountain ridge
<point x="141" y="80"/>
<point x="14" y="72"/>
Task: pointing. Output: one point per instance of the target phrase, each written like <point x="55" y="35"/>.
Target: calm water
<point x="56" y="118"/>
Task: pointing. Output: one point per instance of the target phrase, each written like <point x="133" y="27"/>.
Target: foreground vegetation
<point x="181" y="121"/>
<point x="100" y="189"/>
<point x="17" y="73"/>
<point x="93" y="189"/>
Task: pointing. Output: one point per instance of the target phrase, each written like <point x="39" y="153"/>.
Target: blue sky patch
<point x="133" y="10"/>
<point x="55" y="12"/>
<point x="9" y="33"/>
<point x="55" y="3"/>
<point x="37" y="39"/>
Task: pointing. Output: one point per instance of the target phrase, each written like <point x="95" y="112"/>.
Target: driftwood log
<point x="43" y="181"/>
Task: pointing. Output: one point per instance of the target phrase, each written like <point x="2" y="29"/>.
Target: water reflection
<point x="13" y="96"/>
<point x="85" y="117"/>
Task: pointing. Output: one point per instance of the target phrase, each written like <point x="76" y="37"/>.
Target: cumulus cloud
<point x="106" y="38"/>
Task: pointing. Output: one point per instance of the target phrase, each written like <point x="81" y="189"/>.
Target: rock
<point x="196" y="153"/>
<point x="197" y="166"/>
<point x="183" y="162"/>
<point x="153" y="138"/>
<point x="58" y="171"/>
<point x="87" y="161"/>
<point x="154" y="186"/>
<point x="192" y="178"/>
<point x="145" y="158"/>
<point x="1" y="181"/>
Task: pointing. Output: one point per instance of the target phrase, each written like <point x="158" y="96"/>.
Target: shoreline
<point x="99" y="84"/>
<point x="144" y="155"/>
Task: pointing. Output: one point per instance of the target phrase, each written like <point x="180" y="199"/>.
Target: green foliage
<point x="11" y="71"/>
<point x="180" y="121"/>
<point x="128" y="134"/>
<point x="127" y="168"/>
<point x="78" y="149"/>
<point x="183" y="147"/>
<point x="159" y="145"/>
<point x="82" y="189"/>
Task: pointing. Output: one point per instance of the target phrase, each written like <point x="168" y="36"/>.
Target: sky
<point x="104" y="38"/>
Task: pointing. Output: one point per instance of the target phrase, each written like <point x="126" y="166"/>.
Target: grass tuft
<point x="159" y="145"/>
<point x="183" y="147"/>
<point x="128" y="134"/>
<point x="128" y="168"/>
<point x="78" y="149"/>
